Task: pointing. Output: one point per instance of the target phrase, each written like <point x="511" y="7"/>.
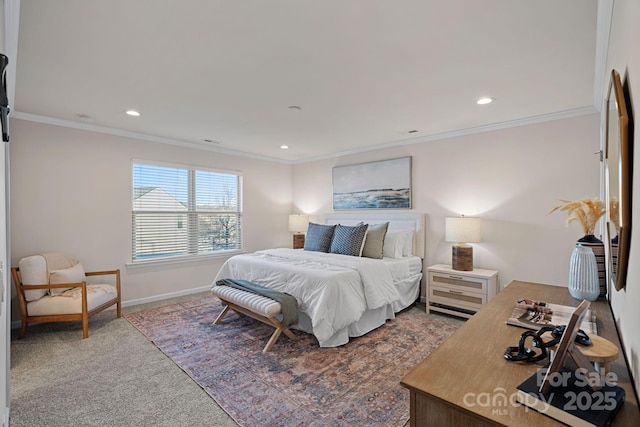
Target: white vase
<point x="584" y="282"/>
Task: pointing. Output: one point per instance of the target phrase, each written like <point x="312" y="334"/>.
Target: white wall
<point x="71" y="192"/>
<point x="624" y="56"/>
<point x="510" y="178"/>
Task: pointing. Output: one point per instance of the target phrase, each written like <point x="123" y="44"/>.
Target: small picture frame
<point x="567" y="347"/>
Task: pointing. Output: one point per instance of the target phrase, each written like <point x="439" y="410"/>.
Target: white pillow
<point x="407" y="243"/>
<point x="398" y="243"/>
<point x="73" y="274"/>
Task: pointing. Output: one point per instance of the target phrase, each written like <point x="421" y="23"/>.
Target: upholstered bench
<point x="253" y="305"/>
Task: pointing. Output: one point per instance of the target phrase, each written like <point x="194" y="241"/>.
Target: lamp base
<point x="298" y="241"/>
<point x="462" y="258"/>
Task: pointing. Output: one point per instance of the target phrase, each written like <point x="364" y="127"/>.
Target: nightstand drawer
<point x="456" y="298"/>
<point x="461" y="293"/>
<point x="462" y="283"/>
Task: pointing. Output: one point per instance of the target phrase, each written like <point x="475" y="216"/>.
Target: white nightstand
<point x="460" y="293"/>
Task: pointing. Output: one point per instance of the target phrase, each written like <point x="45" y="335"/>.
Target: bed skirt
<point x="370" y="319"/>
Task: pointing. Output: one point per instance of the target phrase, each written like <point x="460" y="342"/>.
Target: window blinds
<point x="181" y="211"/>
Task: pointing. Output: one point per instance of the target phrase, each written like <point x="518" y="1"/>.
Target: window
<point x="182" y="212"/>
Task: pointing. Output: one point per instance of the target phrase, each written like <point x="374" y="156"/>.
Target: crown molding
<point x="136" y="135"/>
<point x="428" y="138"/>
<point x="560" y="115"/>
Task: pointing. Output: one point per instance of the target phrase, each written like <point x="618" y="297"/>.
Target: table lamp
<point x="298" y="224"/>
<point x="462" y="230"/>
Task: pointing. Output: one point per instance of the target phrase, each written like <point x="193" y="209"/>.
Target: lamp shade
<point x="462" y="230"/>
<point x="298" y="223"/>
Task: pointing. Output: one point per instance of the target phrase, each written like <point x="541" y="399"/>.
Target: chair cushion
<point x="59" y="260"/>
<point x="33" y="271"/>
<point x="73" y="274"/>
<point x="70" y="302"/>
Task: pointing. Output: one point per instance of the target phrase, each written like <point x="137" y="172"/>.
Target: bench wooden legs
<point x="271" y="321"/>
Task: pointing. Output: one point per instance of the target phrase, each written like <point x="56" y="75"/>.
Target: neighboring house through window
<point x="179" y="211"/>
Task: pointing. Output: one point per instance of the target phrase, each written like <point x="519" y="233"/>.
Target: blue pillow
<point x="348" y="240"/>
<point x="319" y="237"/>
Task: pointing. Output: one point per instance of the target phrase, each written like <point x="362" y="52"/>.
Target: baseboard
<point x="165" y="296"/>
<point x="17" y="323"/>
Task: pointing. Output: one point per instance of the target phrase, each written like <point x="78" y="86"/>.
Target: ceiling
<point x="364" y="73"/>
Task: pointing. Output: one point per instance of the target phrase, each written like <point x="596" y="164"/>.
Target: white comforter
<point x="333" y="290"/>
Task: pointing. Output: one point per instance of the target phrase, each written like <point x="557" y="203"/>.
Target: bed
<point x="342" y="296"/>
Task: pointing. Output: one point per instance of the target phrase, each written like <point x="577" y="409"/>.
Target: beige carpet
<point x="114" y="378"/>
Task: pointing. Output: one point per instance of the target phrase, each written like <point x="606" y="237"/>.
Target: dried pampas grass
<point x="614" y="214"/>
<point x="586" y="212"/>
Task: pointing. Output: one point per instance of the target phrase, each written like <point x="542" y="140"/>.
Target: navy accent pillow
<point x="318" y="237"/>
<point x="348" y="240"/>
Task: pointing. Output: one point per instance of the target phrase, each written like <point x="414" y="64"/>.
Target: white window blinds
<point x="181" y="212"/>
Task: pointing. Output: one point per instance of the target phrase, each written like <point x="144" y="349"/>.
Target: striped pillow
<point x="348" y="240"/>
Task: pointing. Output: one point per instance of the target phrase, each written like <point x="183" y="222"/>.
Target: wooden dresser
<point x="467" y="381"/>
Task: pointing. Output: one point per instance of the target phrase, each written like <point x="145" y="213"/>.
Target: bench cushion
<point x="250" y="301"/>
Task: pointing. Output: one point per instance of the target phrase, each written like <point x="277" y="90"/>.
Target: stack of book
<point x="534" y="315"/>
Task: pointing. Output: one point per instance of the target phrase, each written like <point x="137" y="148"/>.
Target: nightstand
<point x="460" y="293"/>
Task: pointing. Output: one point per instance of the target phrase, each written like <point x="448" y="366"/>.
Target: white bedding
<point x="333" y="291"/>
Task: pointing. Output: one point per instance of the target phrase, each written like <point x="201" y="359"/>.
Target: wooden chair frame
<point x="83" y="316"/>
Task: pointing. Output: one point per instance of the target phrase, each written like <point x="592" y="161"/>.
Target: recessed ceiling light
<point x="132" y="113"/>
<point x="485" y="100"/>
<point x="284" y="147"/>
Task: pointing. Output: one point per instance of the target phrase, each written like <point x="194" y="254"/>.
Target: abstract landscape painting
<point x="384" y="184"/>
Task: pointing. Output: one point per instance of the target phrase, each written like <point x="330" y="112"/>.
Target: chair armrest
<point x="105" y="273"/>
<point x="101" y="273"/>
<point x="28" y="287"/>
<point x="59" y="285"/>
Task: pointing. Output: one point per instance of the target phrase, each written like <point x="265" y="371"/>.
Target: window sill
<point x="182" y="259"/>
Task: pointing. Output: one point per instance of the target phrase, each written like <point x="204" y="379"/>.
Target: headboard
<point x="397" y="221"/>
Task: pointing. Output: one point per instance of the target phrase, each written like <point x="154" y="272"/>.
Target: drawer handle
<point x="451" y="291"/>
<point x="456" y="277"/>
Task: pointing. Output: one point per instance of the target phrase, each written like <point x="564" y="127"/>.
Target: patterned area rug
<point x="297" y="383"/>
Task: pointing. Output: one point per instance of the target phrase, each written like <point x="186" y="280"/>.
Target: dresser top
<point x="471" y="364"/>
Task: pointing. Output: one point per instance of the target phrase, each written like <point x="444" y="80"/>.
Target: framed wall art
<point x="618" y="162"/>
<point x="384" y="184"/>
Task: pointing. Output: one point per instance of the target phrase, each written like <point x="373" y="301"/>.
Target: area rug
<point x="297" y="383"/>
